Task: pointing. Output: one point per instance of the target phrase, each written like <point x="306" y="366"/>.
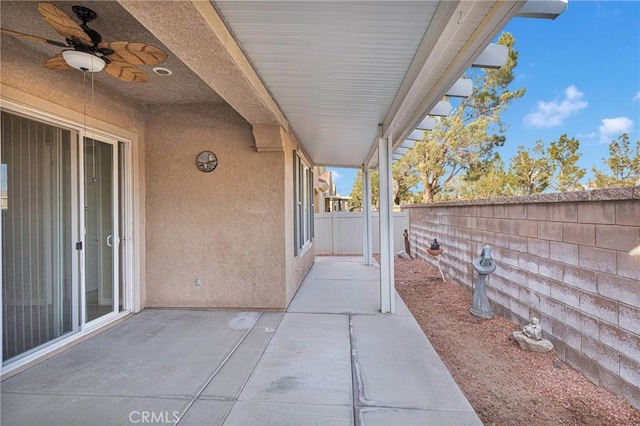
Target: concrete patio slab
<point x="375" y="416"/>
<point x="245" y="413"/>
<point x="341" y="297"/>
<point x="210" y="412"/>
<point x="308" y="361"/>
<point x="161" y="353"/>
<point x="332" y="359"/>
<point x="70" y="410"/>
<point x="228" y="382"/>
<point x="346" y="268"/>
<point x="396" y="366"/>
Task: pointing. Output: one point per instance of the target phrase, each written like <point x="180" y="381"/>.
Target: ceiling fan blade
<point x="135" y="53"/>
<point x="57" y="63"/>
<point x="126" y="72"/>
<point x="31" y="37"/>
<point x="61" y="22"/>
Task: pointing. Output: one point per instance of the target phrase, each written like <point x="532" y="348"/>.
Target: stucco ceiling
<point x="114" y="23"/>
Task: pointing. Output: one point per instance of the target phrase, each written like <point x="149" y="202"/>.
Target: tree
<point x="463" y="143"/>
<point x="404" y="178"/>
<point x="531" y="170"/>
<point x="356" y="191"/>
<point x="564" y="154"/>
<point x="624" y="163"/>
<point x="494" y="182"/>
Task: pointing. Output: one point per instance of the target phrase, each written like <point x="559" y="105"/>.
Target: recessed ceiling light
<point x="162" y="71"/>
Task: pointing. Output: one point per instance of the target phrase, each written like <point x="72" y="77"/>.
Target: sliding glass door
<point x="37" y="234"/>
<point x="101" y="213"/>
<point x="64" y="239"/>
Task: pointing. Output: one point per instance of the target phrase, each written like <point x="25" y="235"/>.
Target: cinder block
<point x="530" y="298"/>
<point x="553" y="308"/>
<point x="546" y="323"/>
<point x="600" y="260"/>
<point x="506" y="256"/>
<point x="509" y="226"/>
<point x="629" y="318"/>
<point x="628" y="212"/>
<point x="615" y="237"/>
<point x="486" y="211"/>
<point x="602" y="354"/>
<point x="615" y="384"/>
<point x="599" y="307"/>
<point x="582" y="363"/>
<point x="504" y="285"/>
<point x="550" y="231"/>
<point x="569" y="335"/>
<point x="512" y="274"/>
<point x="581" y="278"/>
<point x="482" y="223"/>
<point x="630" y="370"/>
<point x="628" y="265"/>
<point x="528" y="262"/>
<point x="559" y="346"/>
<point x="520" y="309"/>
<point x="551" y="269"/>
<point x="518" y="243"/>
<point x="540" y="285"/>
<point x="489" y="238"/>
<point x="582" y="322"/>
<point x="503" y="299"/>
<point x="619" y="339"/>
<point x="563" y="212"/>
<point x="564" y="252"/>
<point x="537" y="247"/>
<point x="597" y="212"/>
<point x="620" y="289"/>
<point x="500" y="211"/>
<point x="494" y="225"/>
<point x="538" y="211"/>
<point x="517" y="211"/>
<point x="579" y="233"/>
<point x="528" y="228"/>
<point x="566" y="294"/>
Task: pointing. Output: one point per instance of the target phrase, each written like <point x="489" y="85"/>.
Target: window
<point x="303" y="203"/>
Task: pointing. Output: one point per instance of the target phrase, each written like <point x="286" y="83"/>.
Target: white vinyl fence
<point x="341" y="232"/>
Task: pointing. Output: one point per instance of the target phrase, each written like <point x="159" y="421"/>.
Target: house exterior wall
<point x="572" y="260"/>
<point x="226" y="227"/>
<point x="61" y="95"/>
<point x="296" y="266"/>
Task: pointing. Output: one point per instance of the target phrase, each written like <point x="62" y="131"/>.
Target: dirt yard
<point x="505" y="384"/>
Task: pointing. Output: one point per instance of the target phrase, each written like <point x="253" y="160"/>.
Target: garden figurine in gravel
<point x="533" y="329"/>
<point x="407" y="244"/>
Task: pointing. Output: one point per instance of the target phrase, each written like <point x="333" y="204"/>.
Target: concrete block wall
<point x="572" y="260"/>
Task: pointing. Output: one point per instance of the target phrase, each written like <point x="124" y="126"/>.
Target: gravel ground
<point x="505" y="384"/>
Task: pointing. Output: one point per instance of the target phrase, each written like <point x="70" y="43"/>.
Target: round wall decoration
<point x="206" y="161"/>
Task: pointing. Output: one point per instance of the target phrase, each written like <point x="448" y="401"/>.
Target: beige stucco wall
<point x="233" y="227"/>
<point x="225" y="227"/>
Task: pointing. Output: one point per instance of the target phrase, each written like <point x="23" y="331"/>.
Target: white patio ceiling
<point x="344" y="72"/>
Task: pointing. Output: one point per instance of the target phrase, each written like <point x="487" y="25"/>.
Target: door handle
<point x="110" y="240"/>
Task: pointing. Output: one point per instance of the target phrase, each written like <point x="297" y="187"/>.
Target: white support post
<point x="387" y="287"/>
<point x="367" y="236"/>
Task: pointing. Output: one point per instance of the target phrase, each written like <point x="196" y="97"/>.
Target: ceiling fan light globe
<point x="83" y="61"/>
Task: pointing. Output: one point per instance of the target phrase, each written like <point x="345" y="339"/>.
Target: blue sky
<point x="582" y="75"/>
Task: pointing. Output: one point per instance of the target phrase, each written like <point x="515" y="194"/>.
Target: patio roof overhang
<point x="337" y="75"/>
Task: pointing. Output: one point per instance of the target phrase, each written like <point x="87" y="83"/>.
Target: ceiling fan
<point x="86" y="50"/>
